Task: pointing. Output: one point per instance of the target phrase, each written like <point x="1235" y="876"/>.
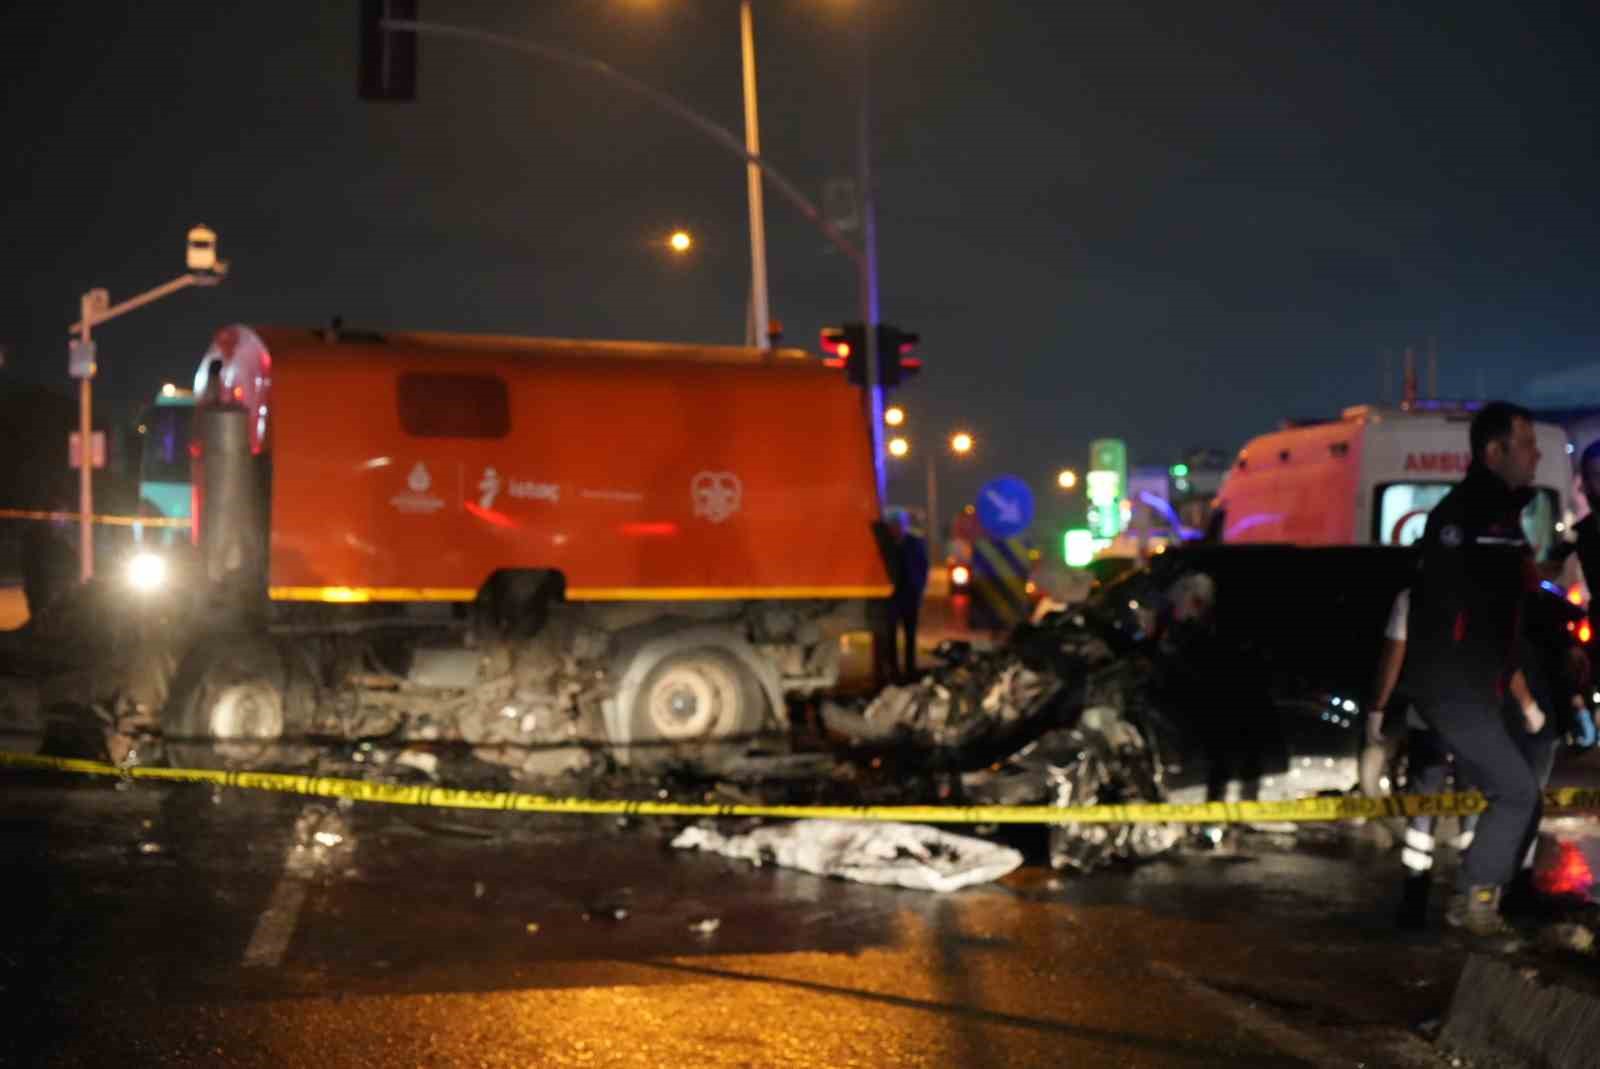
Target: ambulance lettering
<point x="1439" y="463"/>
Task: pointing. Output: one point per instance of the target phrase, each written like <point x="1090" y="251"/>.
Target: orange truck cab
<point x="649" y="545"/>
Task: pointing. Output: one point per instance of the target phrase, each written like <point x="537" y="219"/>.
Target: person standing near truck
<point x="1463" y="648"/>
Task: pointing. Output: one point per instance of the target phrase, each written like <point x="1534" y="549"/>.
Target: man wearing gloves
<point x="1463" y="650"/>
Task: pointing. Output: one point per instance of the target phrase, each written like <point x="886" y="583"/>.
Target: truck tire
<point x="226" y="708"/>
<point x="692" y="705"/>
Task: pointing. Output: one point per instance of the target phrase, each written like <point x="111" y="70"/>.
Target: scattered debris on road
<point x="901" y="855"/>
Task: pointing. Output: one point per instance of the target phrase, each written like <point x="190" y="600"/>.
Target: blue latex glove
<point x="1583" y="732"/>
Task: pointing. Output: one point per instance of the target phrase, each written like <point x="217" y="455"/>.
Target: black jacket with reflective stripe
<point x="1476" y="565"/>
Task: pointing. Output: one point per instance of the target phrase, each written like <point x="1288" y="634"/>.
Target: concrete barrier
<point x="1506" y="1012"/>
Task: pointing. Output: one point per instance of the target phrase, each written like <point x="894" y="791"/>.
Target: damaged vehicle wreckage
<point x="397" y="580"/>
<point x="431" y="538"/>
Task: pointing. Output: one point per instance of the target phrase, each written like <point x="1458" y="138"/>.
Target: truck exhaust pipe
<point x="229" y="518"/>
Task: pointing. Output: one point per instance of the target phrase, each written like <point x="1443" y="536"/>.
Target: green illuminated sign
<point x="1078" y="545"/>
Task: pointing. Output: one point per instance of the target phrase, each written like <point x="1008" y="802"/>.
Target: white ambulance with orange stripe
<point x="1371" y="477"/>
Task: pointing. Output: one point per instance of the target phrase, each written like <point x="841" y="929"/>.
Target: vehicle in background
<point x="164" y="482"/>
<point x="1371" y="477"/>
<point x="1302" y="627"/>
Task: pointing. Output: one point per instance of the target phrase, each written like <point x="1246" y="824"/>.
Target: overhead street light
<point x="389" y="32"/>
<point x="894" y="415"/>
<point x="899" y="447"/>
<point x="680" y="241"/>
<point x="961" y="443"/>
<point x="1067" y="479"/>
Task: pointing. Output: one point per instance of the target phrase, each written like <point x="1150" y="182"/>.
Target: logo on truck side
<point x="488" y="488"/>
<point x="417" y="498"/>
<point x="716" y="494"/>
<point x="529" y="490"/>
<point x="1442" y="463"/>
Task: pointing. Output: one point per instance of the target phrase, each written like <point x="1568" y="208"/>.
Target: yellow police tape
<point x="1301" y="810"/>
<point x="114" y="521"/>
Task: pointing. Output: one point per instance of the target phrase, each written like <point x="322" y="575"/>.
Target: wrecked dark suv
<point x="1280" y="697"/>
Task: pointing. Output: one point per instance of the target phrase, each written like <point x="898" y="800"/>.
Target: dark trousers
<point x="1489" y="758"/>
<point x="904" y="625"/>
<point x="1540" y="750"/>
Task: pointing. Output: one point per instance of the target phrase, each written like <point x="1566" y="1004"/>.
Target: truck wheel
<point x="226" y="709"/>
<point x="692" y="698"/>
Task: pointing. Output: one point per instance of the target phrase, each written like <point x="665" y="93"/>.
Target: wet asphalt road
<point x="159" y="925"/>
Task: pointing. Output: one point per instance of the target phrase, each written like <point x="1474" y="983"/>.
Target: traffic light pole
<point x="869" y="264"/>
<point x="95" y="308"/>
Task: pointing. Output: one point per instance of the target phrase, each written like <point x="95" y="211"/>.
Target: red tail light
<point x="1570" y="875"/>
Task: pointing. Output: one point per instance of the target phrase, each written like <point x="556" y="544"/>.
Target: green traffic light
<point x="1180" y="470"/>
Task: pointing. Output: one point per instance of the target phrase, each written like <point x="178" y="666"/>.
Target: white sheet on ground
<point x="899" y="855"/>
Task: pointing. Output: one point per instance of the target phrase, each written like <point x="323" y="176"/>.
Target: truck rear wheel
<point x="227" y="708"/>
<point x="692" y="701"/>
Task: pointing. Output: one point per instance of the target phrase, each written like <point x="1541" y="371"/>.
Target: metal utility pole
<point x="869" y="260"/>
<point x="752" y="145"/>
<point x="91" y="303"/>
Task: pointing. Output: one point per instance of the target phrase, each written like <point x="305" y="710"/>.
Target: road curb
<point x="1502" y="1014"/>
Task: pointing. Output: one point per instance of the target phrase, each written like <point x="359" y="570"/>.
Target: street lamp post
<point x="752" y="145"/>
<point x="95" y="307"/>
<point x="961" y="443"/>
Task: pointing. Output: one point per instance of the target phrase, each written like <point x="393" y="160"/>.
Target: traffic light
<point x="388" y="57"/>
<point x="896" y="354"/>
<point x="846" y="347"/>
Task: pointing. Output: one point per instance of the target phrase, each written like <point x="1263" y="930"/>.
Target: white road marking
<point x="1291" y="1041"/>
<point x="277" y="923"/>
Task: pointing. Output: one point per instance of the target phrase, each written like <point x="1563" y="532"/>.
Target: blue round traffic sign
<point x="1005" y="507"/>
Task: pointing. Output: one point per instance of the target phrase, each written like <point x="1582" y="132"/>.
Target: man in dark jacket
<point x="910" y="580"/>
<point x="1463" y="648"/>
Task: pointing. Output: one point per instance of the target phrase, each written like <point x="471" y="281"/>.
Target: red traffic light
<point x="844" y="345"/>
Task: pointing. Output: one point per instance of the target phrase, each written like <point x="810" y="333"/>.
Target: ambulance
<point x="1372" y="476"/>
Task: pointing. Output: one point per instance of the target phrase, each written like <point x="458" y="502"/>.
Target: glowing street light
<point x="899" y="447"/>
<point x="1067" y="479"/>
<point x="961" y="443"/>
<point x="680" y="241"/>
<point x="894" y="415"/>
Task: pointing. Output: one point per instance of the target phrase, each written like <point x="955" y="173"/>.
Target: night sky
<point x="1171" y="222"/>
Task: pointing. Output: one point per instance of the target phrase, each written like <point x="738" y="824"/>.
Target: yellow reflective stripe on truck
<point x="357" y="594"/>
